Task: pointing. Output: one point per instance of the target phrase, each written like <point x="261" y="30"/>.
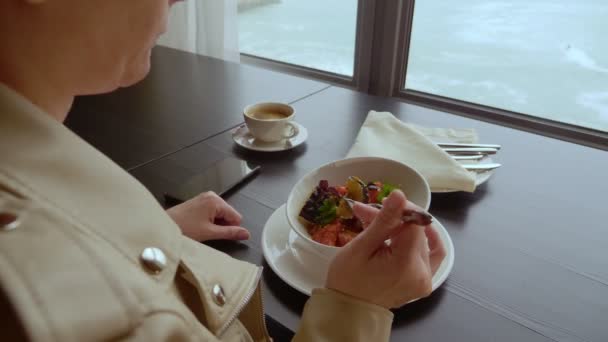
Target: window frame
<point x="362" y="55"/>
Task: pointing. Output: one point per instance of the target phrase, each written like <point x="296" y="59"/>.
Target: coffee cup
<point x="271" y="121"/>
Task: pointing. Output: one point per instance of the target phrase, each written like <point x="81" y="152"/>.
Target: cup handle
<point x="294" y="131"/>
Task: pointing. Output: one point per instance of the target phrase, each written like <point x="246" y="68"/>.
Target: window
<point x="317" y="34"/>
<point x="543" y="58"/>
<point x="539" y="65"/>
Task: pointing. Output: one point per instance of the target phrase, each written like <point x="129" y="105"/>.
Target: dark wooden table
<point x="185" y="99"/>
<point x="530" y="245"/>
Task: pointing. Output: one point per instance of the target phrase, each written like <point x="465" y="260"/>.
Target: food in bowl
<point x="337" y="172"/>
<point x="327" y="213"/>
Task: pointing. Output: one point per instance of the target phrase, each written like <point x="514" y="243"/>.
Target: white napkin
<point x="383" y="135"/>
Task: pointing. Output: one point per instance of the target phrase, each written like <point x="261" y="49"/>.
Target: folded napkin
<point x="383" y="135"/>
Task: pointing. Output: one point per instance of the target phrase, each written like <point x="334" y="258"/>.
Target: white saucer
<point x="480" y="177"/>
<point x="286" y="254"/>
<point x="243" y="138"/>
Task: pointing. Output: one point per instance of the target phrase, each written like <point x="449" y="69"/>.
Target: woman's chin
<point x="137" y="71"/>
<point x="128" y="75"/>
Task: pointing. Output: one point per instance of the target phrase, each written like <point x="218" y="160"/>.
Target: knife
<point x="494" y="146"/>
<point x="481" y="167"/>
<point x="470" y="150"/>
<point x="473" y="157"/>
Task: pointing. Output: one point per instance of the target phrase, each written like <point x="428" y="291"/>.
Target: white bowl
<point x="414" y="186"/>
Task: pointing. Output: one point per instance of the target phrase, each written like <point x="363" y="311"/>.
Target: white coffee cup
<point x="270" y="121"/>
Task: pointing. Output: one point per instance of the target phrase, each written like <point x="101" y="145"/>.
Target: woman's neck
<point x="52" y="99"/>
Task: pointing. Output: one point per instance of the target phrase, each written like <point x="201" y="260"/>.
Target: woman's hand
<point x="208" y="217"/>
<point x="389" y="275"/>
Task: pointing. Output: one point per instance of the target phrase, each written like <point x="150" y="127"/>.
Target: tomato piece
<point x="342" y="190"/>
<point x="327" y="235"/>
<point x="373" y="190"/>
<point x="345" y="236"/>
<point x="372" y="194"/>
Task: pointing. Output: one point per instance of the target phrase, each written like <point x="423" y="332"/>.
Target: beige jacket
<point x="77" y="263"/>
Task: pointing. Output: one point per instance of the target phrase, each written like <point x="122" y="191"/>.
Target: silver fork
<point x="494" y="146"/>
<point x="415" y="216"/>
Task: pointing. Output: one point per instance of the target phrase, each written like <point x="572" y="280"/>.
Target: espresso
<point x="268" y="115"/>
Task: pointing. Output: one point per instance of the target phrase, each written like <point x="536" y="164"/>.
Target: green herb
<point x="385" y="191"/>
<point x="327" y="212"/>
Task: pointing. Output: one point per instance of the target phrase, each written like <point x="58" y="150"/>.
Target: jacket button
<point x="153" y="259"/>
<point x="9" y="221"/>
<point x="13" y="211"/>
<point x="218" y="295"/>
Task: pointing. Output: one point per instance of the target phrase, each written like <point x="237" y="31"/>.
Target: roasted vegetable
<point x="344" y="210"/>
<point x="357" y="190"/>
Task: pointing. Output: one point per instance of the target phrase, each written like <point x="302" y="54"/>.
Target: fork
<point x="494" y="146"/>
<point x="415" y="216"/>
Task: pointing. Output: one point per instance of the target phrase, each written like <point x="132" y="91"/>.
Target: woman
<point x="86" y="253"/>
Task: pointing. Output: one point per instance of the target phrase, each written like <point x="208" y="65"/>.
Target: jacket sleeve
<point x="332" y="316"/>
